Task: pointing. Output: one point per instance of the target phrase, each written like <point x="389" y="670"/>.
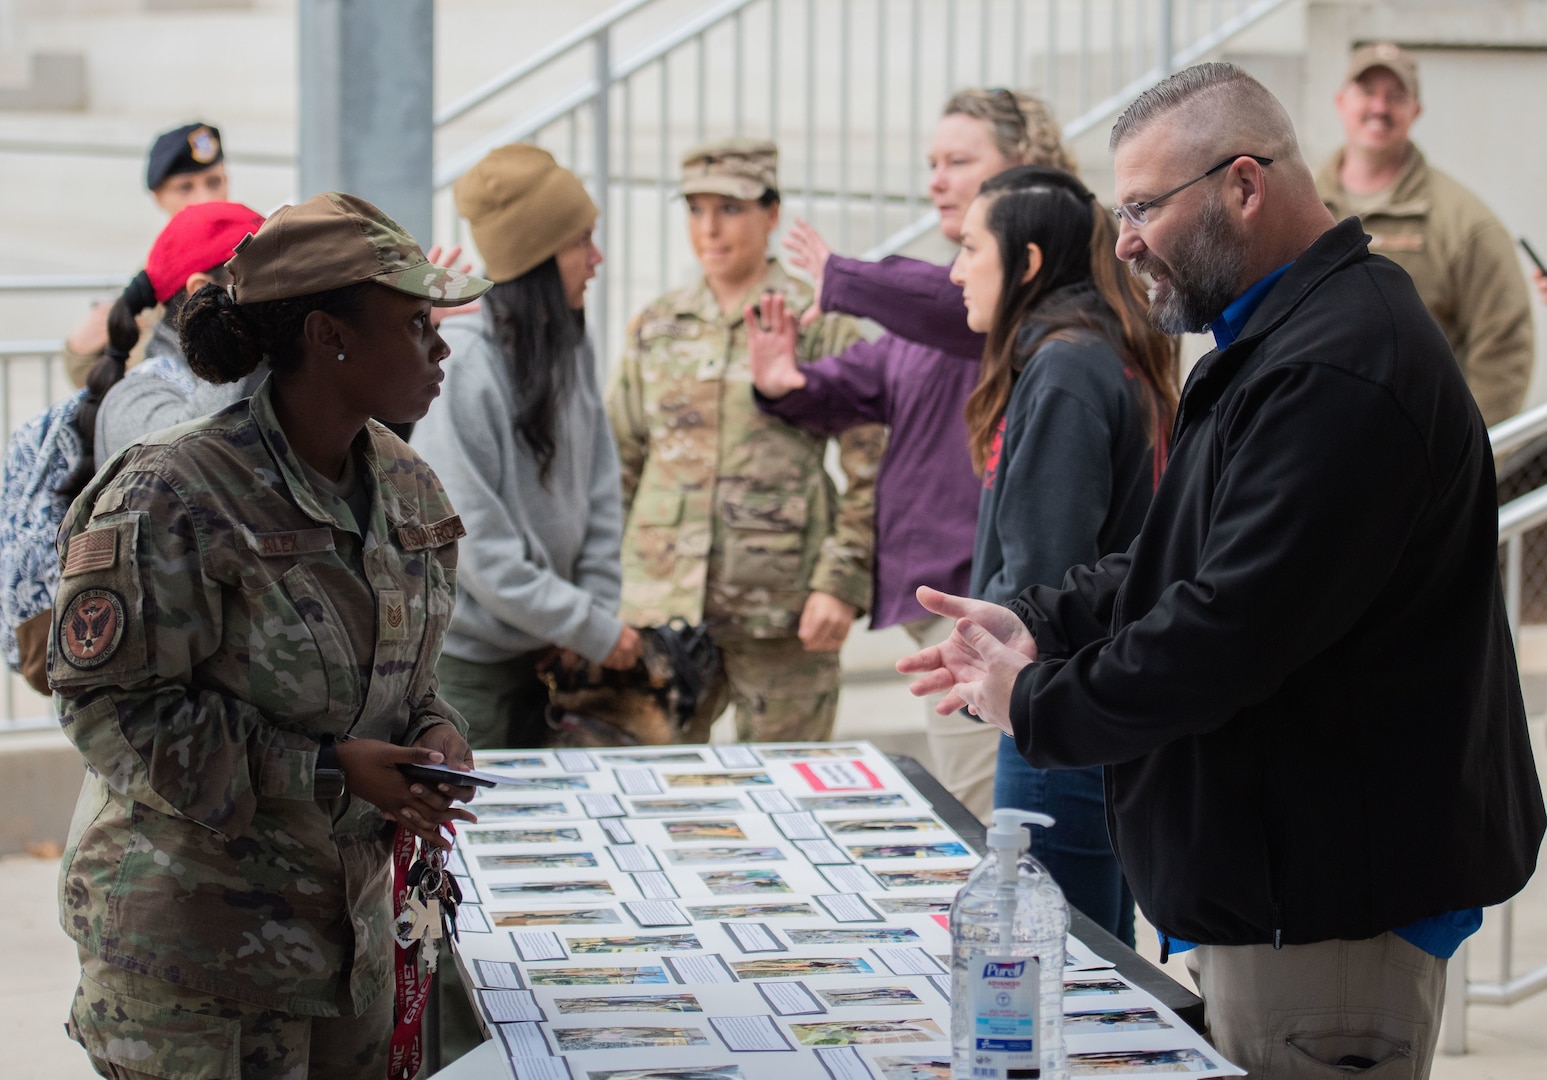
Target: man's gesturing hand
<point x="964" y="658"/>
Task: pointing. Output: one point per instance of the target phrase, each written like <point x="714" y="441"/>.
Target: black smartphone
<point x="445" y="774"/>
<point x="1532" y="255"/>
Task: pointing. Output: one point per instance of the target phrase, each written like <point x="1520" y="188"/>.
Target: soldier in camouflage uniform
<point x="244" y="644"/>
<point x="732" y="518"/>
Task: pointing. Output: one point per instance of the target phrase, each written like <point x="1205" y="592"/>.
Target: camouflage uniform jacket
<point x="731" y="515"/>
<point x="204" y="640"/>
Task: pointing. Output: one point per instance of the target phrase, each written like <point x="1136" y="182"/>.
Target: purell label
<point x="1004" y="993"/>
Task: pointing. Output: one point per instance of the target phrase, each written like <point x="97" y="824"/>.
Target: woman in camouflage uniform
<point x="731" y="517"/>
<point x="244" y="645"/>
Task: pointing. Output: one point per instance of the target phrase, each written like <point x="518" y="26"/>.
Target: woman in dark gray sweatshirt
<point x="1068" y="428"/>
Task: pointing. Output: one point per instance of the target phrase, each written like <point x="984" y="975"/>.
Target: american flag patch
<point x="95" y="550"/>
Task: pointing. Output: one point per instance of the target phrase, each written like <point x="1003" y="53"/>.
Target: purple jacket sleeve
<point x="911" y="298"/>
<point x="840" y="392"/>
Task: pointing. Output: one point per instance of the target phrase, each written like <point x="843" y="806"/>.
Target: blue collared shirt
<point x="1440" y="935"/>
<point x="1230" y="322"/>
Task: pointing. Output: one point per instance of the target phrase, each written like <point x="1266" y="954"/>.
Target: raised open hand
<point x="771" y="338"/>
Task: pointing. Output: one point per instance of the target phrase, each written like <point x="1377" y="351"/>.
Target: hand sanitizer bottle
<point x="1008" y="926"/>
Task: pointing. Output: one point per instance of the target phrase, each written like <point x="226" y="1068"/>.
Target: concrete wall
<point x="40" y="777"/>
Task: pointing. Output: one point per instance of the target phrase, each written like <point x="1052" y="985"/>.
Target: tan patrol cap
<point x="738" y="167"/>
<point x="333" y="240"/>
<point x="1391" y="57"/>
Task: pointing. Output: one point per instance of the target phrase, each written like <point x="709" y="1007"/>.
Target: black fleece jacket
<point x="1071" y="470"/>
<point x="1300" y="675"/>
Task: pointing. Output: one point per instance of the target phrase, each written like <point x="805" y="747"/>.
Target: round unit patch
<point x="91" y="628"/>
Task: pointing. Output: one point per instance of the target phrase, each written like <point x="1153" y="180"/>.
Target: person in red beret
<point x="162" y="390"/>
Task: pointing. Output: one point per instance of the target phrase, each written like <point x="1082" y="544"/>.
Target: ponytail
<point x="123" y="334"/>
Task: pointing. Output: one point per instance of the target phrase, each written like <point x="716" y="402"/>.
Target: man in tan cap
<point x="1458" y="254"/>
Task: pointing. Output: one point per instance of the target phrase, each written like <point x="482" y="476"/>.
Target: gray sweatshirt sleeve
<point x="469" y="439"/>
<point x="599" y="570"/>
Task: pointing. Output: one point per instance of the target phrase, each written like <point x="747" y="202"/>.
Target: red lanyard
<point x="412" y="992"/>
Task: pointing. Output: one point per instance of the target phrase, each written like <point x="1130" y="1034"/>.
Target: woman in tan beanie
<point x="521" y="443"/>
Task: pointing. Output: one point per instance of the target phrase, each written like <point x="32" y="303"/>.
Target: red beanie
<point x="198" y="238"/>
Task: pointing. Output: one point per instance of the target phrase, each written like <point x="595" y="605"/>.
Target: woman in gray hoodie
<point x="522" y="445"/>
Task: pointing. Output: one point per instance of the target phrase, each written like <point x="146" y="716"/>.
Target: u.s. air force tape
<point x="91" y="628"/>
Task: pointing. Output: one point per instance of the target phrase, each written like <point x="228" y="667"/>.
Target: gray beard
<point x="1204" y="274"/>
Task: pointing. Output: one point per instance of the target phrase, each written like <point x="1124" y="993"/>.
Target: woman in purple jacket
<point x="920" y="390"/>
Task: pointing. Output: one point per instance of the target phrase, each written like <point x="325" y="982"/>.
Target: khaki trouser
<point x="963" y="751"/>
<point x="782" y="693"/>
<point x="135" y="1027"/>
<point x="1309" y="1012"/>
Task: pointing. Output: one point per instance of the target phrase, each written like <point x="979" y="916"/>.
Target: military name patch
<point x="419" y="537"/>
<point x="669" y="328"/>
<point x="94" y="550"/>
<point x="91" y="628"/>
<point x="296" y="542"/>
<point x="391" y="615"/>
<point x="1396" y="242"/>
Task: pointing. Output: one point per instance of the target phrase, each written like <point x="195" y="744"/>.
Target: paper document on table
<point x="737" y="757"/>
<point x="707" y="968"/>
<point x="844" y="1063"/>
<point x="538" y="945"/>
<point x="750" y="1033"/>
<point x="509" y="1006"/>
<point x="540" y="1068"/>
<point x="523" y="1040"/>
<point x="640" y="780"/>
<point x="497" y="974"/>
<point x="790" y="998"/>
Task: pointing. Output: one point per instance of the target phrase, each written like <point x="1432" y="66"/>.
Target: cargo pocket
<point x="301" y="665"/>
<point x="155" y="1040"/>
<point x="765" y="540"/>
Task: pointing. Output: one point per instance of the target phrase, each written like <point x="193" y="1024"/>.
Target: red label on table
<point x="839" y="776"/>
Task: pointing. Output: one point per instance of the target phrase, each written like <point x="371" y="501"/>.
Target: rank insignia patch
<point x="91" y="628"/>
<point x="392" y="615"/>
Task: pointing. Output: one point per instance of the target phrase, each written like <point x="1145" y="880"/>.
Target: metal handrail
<point x="1516" y="518"/>
<point x="541" y="59"/>
<point x="447" y="172"/>
<point x="1518" y="430"/>
<point x="12" y="283"/>
<point x="84" y="148"/>
<point x="36" y="347"/>
<point x="1170" y="61"/>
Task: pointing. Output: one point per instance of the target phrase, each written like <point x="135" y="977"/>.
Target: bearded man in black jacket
<point x="1300" y="676"/>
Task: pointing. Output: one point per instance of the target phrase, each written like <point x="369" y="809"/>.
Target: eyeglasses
<point x="1137" y="213"/>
